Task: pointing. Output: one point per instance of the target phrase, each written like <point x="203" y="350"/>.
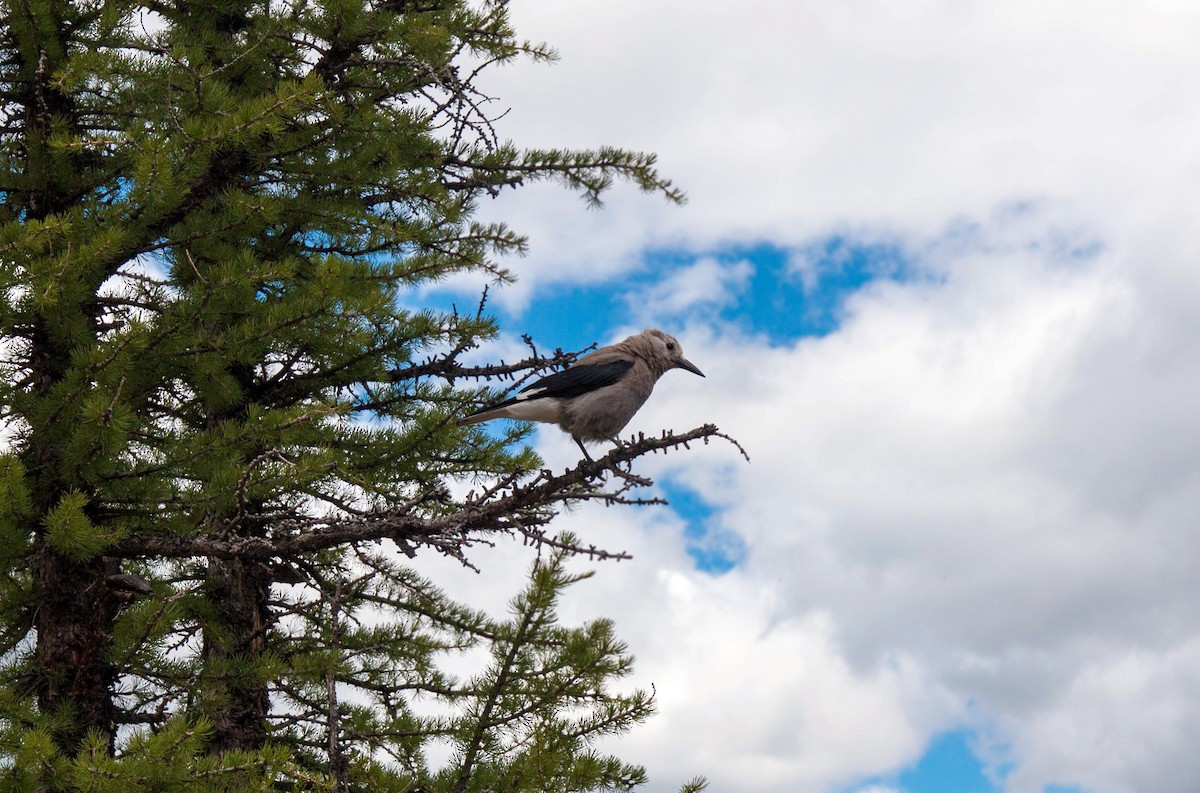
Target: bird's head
<point x="667" y="352"/>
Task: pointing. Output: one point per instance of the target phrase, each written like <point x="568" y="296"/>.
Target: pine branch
<point x="511" y="506"/>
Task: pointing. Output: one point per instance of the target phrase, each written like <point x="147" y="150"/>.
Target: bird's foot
<point x="620" y="444"/>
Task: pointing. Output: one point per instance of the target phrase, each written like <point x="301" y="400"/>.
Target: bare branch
<point x="517" y="504"/>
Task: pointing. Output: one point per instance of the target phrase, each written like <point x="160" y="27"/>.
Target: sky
<point x="939" y="263"/>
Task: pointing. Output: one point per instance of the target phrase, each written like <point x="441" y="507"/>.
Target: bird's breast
<point x="604" y="413"/>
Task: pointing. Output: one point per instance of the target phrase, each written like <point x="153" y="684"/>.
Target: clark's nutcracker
<point x="594" y="399"/>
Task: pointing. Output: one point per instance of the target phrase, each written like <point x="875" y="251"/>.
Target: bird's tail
<point x="475" y="418"/>
<point x="518" y="409"/>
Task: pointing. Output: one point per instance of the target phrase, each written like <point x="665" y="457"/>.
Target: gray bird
<point x="594" y="399"/>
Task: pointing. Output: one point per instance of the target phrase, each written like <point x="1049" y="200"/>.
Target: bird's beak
<point x="684" y="363"/>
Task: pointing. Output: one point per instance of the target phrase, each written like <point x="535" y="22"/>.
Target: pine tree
<point x="224" y="429"/>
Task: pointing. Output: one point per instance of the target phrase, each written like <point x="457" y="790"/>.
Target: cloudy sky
<point x="941" y="265"/>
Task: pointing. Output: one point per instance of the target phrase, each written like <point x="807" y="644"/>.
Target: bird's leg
<point x="583" y="449"/>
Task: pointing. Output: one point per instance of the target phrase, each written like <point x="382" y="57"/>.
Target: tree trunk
<point x="238" y="592"/>
<point x="75" y="675"/>
<point x="75" y="611"/>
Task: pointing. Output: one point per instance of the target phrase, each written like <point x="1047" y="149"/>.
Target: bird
<point x="595" y="398"/>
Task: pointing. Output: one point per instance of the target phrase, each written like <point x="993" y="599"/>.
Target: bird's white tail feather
<point x="545" y="410"/>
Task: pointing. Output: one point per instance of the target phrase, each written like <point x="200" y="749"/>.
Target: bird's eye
<point x="671" y="346"/>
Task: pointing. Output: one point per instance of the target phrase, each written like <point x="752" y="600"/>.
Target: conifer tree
<point x="223" y="428"/>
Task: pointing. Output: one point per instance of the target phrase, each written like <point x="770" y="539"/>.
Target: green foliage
<point x="15" y="506"/>
<point x="544" y="699"/>
<point x="172" y="759"/>
<point x="224" y="423"/>
<point x="527" y="721"/>
<point x="69" y="531"/>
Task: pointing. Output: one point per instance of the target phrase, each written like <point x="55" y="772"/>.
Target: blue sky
<point x="774" y="299"/>
<point x="948" y="766"/>
<point x="938" y="263"/>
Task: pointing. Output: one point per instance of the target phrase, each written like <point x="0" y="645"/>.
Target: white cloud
<point x="699" y="287"/>
<point x="784" y="121"/>
<point x="991" y="476"/>
<point x="974" y="502"/>
<point x="1123" y="723"/>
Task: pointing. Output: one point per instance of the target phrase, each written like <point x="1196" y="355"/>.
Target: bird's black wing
<point x="573" y="382"/>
